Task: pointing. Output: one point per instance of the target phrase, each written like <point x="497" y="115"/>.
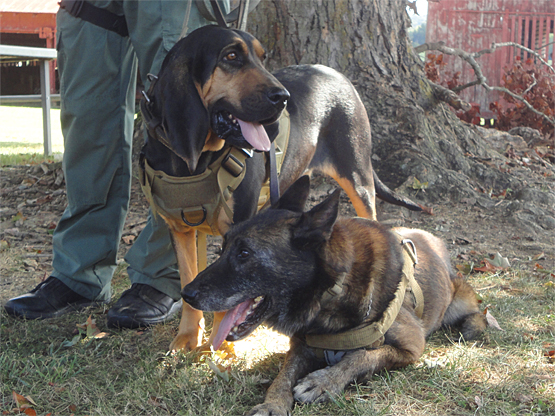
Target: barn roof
<point x="29" y="6"/>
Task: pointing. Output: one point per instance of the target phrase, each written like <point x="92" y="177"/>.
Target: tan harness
<point x="198" y="200"/>
<point x="332" y="347"/>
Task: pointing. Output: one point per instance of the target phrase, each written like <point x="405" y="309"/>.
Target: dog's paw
<point x="185" y="342"/>
<point x="317" y="387"/>
<point x="269" y="409"/>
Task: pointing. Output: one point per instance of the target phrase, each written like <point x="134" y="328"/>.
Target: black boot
<point x="142" y="306"/>
<point x="49" y="299"/>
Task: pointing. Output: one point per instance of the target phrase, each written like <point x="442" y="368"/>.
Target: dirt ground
<point x="520" y="225"/>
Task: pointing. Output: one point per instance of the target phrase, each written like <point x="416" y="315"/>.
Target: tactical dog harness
<point x="198" y="200"/>
<point x="332" y="347"/>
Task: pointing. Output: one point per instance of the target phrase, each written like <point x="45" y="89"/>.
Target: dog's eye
<point x="243" y="254"/>
<point x="231" y="56"/>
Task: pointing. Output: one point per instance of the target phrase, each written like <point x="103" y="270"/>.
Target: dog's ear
<point x="294" y="198"/>
<point x="185" y="119"/>
<point x="315" y="226"/>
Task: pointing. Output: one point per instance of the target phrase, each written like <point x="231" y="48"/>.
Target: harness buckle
<point x="233" y="165"/>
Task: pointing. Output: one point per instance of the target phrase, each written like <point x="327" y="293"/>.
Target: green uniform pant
<point x="97" y="70"/>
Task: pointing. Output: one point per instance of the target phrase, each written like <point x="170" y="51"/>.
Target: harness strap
<point x="365" y="335"/>
<point x="411" y="260"/>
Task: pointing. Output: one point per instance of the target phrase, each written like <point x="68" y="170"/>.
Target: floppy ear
<point x="185" y="119"/>
<point x="294" y="198"/>
<point x="315" y="226"/>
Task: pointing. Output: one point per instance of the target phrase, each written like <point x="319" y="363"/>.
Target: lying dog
<point x="212" y="98"/>
<point x="311" y="277"/>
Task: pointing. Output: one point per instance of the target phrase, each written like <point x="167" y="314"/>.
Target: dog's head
<point x="212" y="88"/>
<point x="268" y="269"/>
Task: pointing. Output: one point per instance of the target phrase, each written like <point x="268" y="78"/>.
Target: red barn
<point x="27" y="23"/>
<point x="473" y="25"/>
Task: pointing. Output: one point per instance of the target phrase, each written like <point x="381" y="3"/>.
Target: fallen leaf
<point x="91" y="329"/>
<point x="19" y="399"/>
<point x="18" y="217"/>
<point x="24" y="404"/>
<point x="128" y="239"/>
<point x="44" y="199"/>
<point x="500" y="261"/>
<point x="416" y="184"/>
<point x="465" y="268"/>
<point x="491" y="320"/>
<point x="218" y="369"/>
<point x="487" y="267"/>
<point x="537" y="267"/>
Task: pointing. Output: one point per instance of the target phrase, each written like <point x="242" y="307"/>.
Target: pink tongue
<point x="256" y="135"/>
<point x="232" y="318"/>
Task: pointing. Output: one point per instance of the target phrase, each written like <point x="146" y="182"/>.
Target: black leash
<point x="218" y="14"/>
<point x="274" y="183"/>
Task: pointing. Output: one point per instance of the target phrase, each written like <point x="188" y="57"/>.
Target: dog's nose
<point x="189" y="295"/>
<point x="278" y="97"/>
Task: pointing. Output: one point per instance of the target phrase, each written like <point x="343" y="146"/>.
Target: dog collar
<point x="371" y="335"/>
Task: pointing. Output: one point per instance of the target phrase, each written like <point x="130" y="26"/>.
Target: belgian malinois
<point x="311" y="276"/>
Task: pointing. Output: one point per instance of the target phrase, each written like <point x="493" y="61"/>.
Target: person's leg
<point x="97" y="83"/>
<point x="154" y="27"/>
<point x="97" y="70"/>
<point x="151" y="259"/>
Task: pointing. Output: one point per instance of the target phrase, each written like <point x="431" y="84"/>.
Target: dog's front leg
<point x="189" y="334"/>
<point x="279" y="397"/>
<point x="360" y="364"/>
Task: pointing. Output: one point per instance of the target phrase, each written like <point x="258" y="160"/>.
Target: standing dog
<point x="213" y="94"/>
<point x="332" y="285"/>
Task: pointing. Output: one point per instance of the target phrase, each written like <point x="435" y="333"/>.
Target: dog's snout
<point x="278" y="97"/>
<point x="189" y="295"/>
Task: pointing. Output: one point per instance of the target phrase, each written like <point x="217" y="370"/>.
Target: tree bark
<point x="414" y="134"/>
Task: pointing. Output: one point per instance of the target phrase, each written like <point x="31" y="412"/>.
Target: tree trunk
<point x="414" y="135"/>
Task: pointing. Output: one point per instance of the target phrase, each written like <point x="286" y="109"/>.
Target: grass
<point x="21" y="135"/>
<point x="130" y="373"/>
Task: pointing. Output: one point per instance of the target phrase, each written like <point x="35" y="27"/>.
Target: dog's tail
<point x="386" y="194"/>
